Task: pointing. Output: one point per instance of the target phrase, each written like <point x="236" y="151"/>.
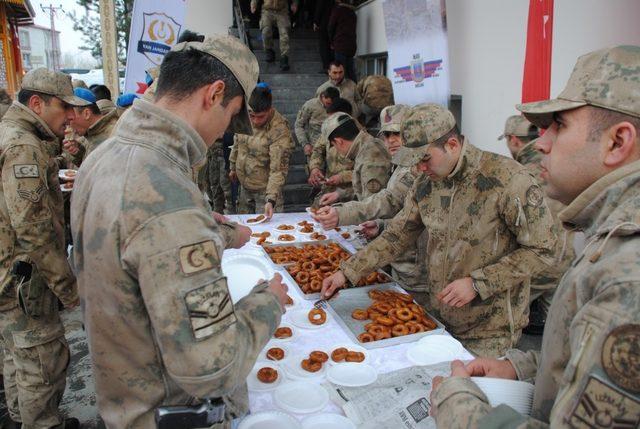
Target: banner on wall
<point x="418" y="63"/>
<point x="536" y="81"/>
<point x="155" y="27"/>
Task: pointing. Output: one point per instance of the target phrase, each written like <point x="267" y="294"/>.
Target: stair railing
<point x="242" y="32"/>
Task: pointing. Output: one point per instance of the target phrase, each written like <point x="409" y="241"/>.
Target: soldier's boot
<point x="284" y="63"/>
<point x="271" y="55"/>
<point x="69" y="423"/>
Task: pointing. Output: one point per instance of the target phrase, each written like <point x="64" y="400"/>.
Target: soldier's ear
<point x="622" y="144"/>
<point x="215" y="92"/>
<point x="36" y="104"/>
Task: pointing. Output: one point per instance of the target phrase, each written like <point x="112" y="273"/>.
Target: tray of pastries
<point x="382" y="316"/>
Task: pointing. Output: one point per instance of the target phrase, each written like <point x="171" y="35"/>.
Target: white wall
<point x="487" y="47"/>
<point x="209" y="16"/>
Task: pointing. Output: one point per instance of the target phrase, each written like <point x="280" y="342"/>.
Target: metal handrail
<point x="242" y="32"/>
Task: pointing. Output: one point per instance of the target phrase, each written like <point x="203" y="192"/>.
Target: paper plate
<point x="300" y="318"/>
<point x="301" y="397"/>
<point x="351" y="348"/>
<point x="432" y="349"/>
<point x="243" y="272"/>
<point x="516" y="394"/>
<point x="64" y="187"/>
<point x="270" y="345"/>
<point x="327" y="421"/>
<point x="275" y="234"/>
<point x="279" y="340"/>
<point x="352" y="374"/>
<point x="294" y="370"/>
<point x="246" y="221"/>
<point x="270" y="420"/>
<point x="258" y="386"/>
<point x="67" y="174"/>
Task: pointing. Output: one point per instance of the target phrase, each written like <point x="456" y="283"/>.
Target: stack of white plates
<point x="270" y="420"/>
<point x="433" y="349"/>
<point x="516" y="394"/>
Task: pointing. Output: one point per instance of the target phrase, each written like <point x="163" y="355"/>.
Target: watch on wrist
<point x="475" y="285"/>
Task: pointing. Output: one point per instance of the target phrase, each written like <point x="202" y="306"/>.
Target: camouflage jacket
<point x="161" y="326"/>
<point x="383" y="206"/>
<point x="309" y="120"/>
<point x="31" y="208"/>
<point x="375" y="91"/>
<point x="371" y="166"/>
<point x="326" y="158"/>
<point x="347" y="90"/>
<point x="106" y="106"/>
<point x="261" y="161"/>
<point x="587" y="373"/>
<point x="564" y="253"/>
<point x="96" y="134"/>
<point x="487" y="220"/>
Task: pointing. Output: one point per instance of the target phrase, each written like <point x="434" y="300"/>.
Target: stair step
<point x="255" y="33"/>
<point x="297" y="174"/>
<point x="301" y="55"/>
<point x="301" y="93"/>
<point x="296" y="66"/>
<point x="288" y="107"/>
<point x="294" y="44"/>
<point x="295" y="208"/>
<point x="296" y="194"/>
<point x="288" y="80"/>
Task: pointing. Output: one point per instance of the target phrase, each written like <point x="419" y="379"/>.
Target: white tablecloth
<point x="382" y="359"/>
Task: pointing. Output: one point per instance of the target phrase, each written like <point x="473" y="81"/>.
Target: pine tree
<point x="89" y="25"/>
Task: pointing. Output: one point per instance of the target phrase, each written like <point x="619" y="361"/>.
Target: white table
<point x="382" y="359"/>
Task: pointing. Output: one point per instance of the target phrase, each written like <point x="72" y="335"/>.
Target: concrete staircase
<point x="290" y="91"/>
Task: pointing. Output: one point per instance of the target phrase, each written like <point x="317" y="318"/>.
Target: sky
<point x="70" y="40"/>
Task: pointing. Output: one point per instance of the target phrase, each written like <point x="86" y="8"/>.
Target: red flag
<point x="536" y="82"/>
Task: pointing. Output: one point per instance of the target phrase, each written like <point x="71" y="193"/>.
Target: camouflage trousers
<point x="250" y="202"/>
<point x="35" y="367"/>
<point x="220" y="187"/>
<point x="491" y="347"/>
<point x="267" y="21"/>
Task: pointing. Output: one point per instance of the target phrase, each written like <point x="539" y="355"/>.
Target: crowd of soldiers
<point x="478" y="238"/>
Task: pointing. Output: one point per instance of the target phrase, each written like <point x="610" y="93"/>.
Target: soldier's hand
<point x="329" y="198"/>
<point x="279" y="289"/>
<point x="268" y="211"/>
<point x="315" y="177"/>
<point x="332" y="283"/>
<point x="327" y="216"/>
<point x="71" y="146"/>
<point x="219" y="217"/>
<point x="308" y="149"/>
<point x="458" y="293"/>
<point x="457" y="370"/>
<point x="233" y="176"/>
<point x="435" y="383"/>
<point x="334" y="180"/>
<point x="369" y="229"/>
<point x="241" y="237"/>
<point x="486" y="367"/>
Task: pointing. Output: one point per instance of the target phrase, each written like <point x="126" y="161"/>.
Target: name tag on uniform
<point x="23" y="171"/>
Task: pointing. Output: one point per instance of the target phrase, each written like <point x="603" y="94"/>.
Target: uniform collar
<point x="100" y="125"/>
<point x="468" y="161"/>
<point x="158" y="129"/>
<point x="609" y="203"/>
<point x="528" y="154"/>
<point x="355" y="146"/>
<point x="27" y="119"/>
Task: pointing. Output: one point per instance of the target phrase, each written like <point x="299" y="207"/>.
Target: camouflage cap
<point x="53" y="83"/>
<point x="332" y="122"/>
<point x="391" y="118"/>
<point x="423" y="124"/>
<point x="519" y="126"/>
<point x="243" y="64"/>
<point x="608" y="78"/>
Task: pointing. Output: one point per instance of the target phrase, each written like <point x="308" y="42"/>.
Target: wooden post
<point x="109" y="46"/>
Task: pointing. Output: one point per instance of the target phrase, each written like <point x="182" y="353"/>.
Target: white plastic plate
<point x="352" y="348"/>
<point x="283" y="340"/>
<point x="270" y="420"/>
<point x="327" y="421"/>
<point x="243" y="273"/>
<point x="433" y="349"/>
<point x="246" y="221"/>
<point x="67" y="174"/>
<point x="270" y="345"/>
<point x="258" y="386"/>
<point x="300" y="318"/>
<point x="294" y="370"/>
<point x="66" y="187"/>
<point x="352" y="374"/>
<point x="301" y="397"/>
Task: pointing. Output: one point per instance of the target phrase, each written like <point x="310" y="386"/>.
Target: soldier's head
<point x="49" y="95"/>
<point x="518" y="132"/>
<point x="340" y="105"/>
<point x="102" y="92"/>
<point x="336" y="72"/>
<point x="390" y="121"/>
<point x="208" y="85"/>
<point x="261" y="105"/>
<point x="329" y="95"/>
<point x="85" y="116"/>
<point x="79" y="83"/>
<point x="592" y="127"/>
<point x="432" y="141"/>
<point x="340" y="130"/>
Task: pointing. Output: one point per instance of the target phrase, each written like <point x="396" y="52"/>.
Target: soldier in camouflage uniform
<point x="275" y="12"/>
<point x="32" y="239"/>
<point x="310" y="118"/>
<point x="371" y="160"/>
<point x="587" y="373"/>
<point x="162" y="328"/>
<point x="489" y="230"/>
<point x="260" y="162"/>
<point x="373" y="93"/>
<point x="91" y="127"/>
<point x="346" y="86"/>
<point x="216" y="180"/>
<point x="376" y="210"/>
<point x="520" y="135"/>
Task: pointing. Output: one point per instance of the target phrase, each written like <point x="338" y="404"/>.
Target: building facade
<point x="37" y="47"/>
<point x="13" y="14"/>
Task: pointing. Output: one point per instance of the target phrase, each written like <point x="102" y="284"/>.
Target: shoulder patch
<point x="33" y="195"/>
<point x="374" y="186"/>
<point x="198" y="257"/>
<point x="620" y="353"/>
<point x="534" y="196"/>
<point x="210" y="309"/>
<point x="604" y="406"/>
<point x="25" y="171"/>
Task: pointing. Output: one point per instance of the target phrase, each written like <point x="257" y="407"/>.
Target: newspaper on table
<point x="399" y="399"/>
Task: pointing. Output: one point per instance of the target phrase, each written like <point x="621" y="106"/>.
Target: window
<point x="25" y="41"/>
<point x="372" y="64"/>
<point x="26" y="61"/>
